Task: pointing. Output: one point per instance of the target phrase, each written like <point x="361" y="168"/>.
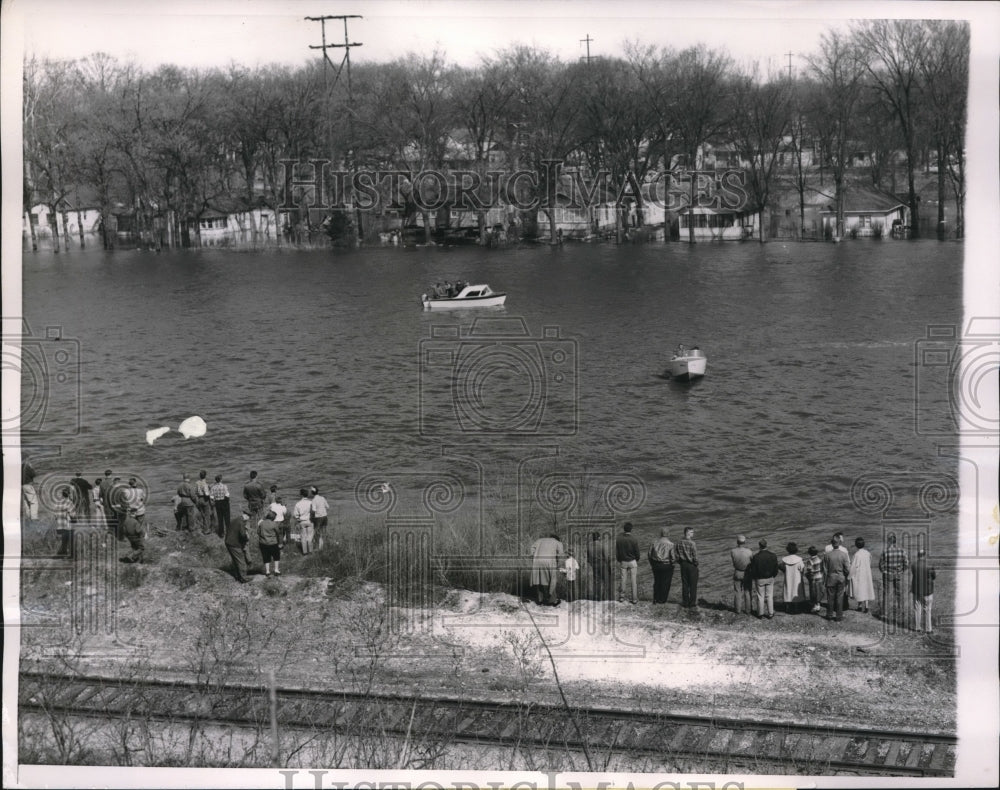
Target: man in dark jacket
<point x="236" y="541"/>
<point x="627" y="554"/>
<point x="599" y="559"/>
<point x="763" y="568"/>
<point x="661" y="562"/>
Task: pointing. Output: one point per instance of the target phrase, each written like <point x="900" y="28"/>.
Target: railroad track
<point x="795" y="747"/>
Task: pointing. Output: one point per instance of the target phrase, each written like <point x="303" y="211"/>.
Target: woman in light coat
<point x="861" y="584"/>
<point x="795" y="592"/>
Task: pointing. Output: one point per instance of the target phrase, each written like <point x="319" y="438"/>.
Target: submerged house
<point x="867" y="212"/>
<point x="717" y="224"/>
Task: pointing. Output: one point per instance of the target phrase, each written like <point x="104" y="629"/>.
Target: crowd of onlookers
<point x="110" y="504"/>
<point x="830" y="577"/>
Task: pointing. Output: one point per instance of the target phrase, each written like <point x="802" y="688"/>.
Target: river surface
<point x="321" y="367"/>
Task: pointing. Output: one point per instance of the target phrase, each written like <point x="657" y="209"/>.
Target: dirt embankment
<point x="183" y="608"/>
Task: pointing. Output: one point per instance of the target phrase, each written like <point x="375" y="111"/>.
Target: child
<point x="570" y="568"/>
<point x="813" y="573"/>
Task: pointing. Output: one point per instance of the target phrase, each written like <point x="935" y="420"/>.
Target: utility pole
<point x="588" y="39"/>
<point x="345" y="61"/>
<point x="789" y="55"/>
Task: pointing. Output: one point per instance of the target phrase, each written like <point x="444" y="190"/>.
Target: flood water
<point x="321" y="367"/>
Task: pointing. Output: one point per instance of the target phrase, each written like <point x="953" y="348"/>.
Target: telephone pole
<point x="345" y="61"/>
<point x="588" y="39"/>
<point x="789" y="55"/>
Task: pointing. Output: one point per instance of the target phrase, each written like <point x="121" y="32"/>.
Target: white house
<point x="712" y="224"/>
<point x="867" y="212"/>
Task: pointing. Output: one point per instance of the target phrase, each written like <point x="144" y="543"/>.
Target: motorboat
<point x="687" y="363"/>
<point x="469" y="296"/>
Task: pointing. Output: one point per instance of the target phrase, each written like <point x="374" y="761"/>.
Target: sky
<point x="214" y="33"/>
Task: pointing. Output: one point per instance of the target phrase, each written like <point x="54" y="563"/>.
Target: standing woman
<point x="861" y="584"/>
<point x="794" y="590"/>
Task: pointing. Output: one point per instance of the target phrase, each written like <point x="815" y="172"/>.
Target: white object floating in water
<point x="192" y="426"/>
<point x="384" y="488"/>
<point x="156" y="433"/>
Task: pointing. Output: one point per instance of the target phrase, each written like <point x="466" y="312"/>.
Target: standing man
<point x="599" y="559"/>
<point x="763" y="568"/>
<point x="254" y="494"/>
<point x="236" y="541"/>
<point x="922" y="578"/>
<point x="220" y="501"/>
<point x="837" y="570"/>
<point x="546" y="556"/>
<point x="320" y="511"/>
<point x="627" y="554"/>
<point x="892" y="564"/>
<point x="186" y="504"/>
<point x="661" y="561"/>
<point x="687" y="555"/>
<point x="204" y="502"/>
<point x="741" y="557"/>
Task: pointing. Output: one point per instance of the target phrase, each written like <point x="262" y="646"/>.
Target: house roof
<point x="862" y="200"/>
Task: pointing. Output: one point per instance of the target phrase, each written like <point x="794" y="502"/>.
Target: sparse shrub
<point x="877" y="230"/>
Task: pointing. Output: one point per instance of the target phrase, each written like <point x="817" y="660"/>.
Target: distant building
<point x="712" y="224"/>
<point x="867" y="212"/>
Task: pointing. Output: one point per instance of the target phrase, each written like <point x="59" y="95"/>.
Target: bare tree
<point x="839" y="75"/>
<point x="760" y="119"/>
<point x="944" y="70"/>
<point x="893" y="50"/>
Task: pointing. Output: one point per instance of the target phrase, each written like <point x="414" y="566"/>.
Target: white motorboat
<point x="687" y="364"/>
<point x="470" y="296"/>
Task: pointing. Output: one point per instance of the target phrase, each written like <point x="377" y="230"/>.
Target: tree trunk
<point x="941" y="230"/>
<point x="65" y="219"/>
<point x="838" y="182"/>
<point x="427" y="226"/>
<point x="54" y="225"/>
<point x="760" y="226"/>
<point x="481" y="222"/>
<point x="31" y="231"/>
<point x="912" y="193"/>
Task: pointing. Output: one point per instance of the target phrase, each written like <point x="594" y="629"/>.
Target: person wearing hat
<point x="741" y="556"/>
<point x="763" y="569"/>
<point x="133" y="532"/>
<point x="794" y="589"/>
<point x="922" y="578"/>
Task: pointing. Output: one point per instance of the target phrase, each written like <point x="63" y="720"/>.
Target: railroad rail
<point x="794" y="746"/>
